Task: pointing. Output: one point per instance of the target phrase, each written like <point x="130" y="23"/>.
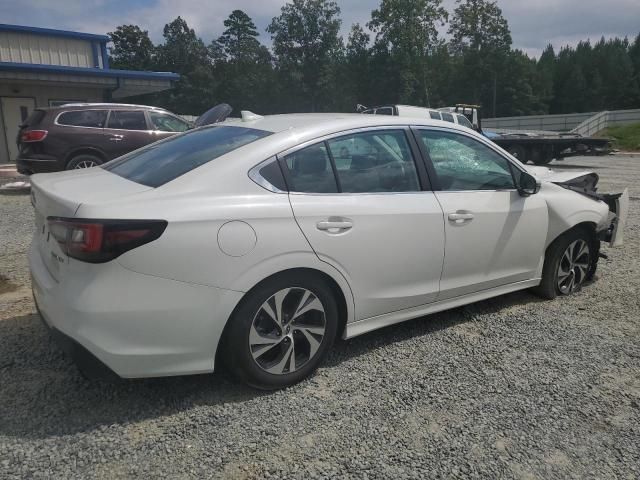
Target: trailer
<point x="527" y="146"/>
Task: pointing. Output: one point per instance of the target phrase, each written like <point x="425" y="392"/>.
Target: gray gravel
<point x="513" y="387"/>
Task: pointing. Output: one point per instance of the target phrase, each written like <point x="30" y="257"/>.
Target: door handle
<point x="461" y="217"/>
<point x="334" y="225"/>
<point x="115" y="138"/>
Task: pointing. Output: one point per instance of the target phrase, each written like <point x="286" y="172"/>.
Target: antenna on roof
<point x="248" y="116"/>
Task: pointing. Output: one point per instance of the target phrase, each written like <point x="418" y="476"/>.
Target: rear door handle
<point x="116" y="138"/>
<point x="461" y="217"/>
<point x="334" y="225"/>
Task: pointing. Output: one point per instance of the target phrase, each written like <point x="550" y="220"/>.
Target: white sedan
<point x="257" y="242"/>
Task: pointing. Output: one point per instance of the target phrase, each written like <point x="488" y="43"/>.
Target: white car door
<point x="494" y="236"/>
<point x="364" y="205"/>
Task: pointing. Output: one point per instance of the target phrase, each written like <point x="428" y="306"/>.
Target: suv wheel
<point x="84" y="160"/>
<point x="281" y="331"/>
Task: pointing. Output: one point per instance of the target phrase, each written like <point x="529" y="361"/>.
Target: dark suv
<point x="83" y="135"/>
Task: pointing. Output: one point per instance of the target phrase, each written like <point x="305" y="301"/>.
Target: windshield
<point x="164" y="161"/>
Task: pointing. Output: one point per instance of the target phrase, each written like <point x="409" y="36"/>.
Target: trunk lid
<point x="61" y="194"/>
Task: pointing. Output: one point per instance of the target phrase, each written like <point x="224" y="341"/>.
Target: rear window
<point x="435" y="115"/>
<point x="34" y="119"/>
<point x="164" y="161"/>
<point x="83" y="118"/>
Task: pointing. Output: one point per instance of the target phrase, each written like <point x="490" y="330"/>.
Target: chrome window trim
<point x="343" y="133"/>
<point x="254" y="174"/>
<point x="106" y="118"/>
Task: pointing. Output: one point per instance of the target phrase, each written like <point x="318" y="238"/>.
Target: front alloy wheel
<point x="573" y="267"/>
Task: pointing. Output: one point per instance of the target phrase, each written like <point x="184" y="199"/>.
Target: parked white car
<point x="256" y="242"/>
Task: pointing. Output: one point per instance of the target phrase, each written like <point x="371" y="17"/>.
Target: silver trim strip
<point x="254" y="174"/>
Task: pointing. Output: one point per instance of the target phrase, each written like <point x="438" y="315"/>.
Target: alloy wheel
<point x="86" y="164"/>
<point x="573" y="267"/>
<point x="287" y="330"/>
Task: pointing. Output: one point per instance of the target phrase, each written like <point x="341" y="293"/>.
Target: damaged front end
<point x="585" y="183"/>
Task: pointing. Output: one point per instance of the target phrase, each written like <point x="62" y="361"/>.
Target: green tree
<point x="185" y="53"/>
<point x="480" y="34"/>
<point x="406" y="31"/>
<point x="132" y="49"/>
<point x="306" y="45"/>
<point x="247" y="73"/>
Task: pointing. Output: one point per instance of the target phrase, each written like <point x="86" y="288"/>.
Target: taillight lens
<point x="33" y="136"/>
<point x="99" y="241"/>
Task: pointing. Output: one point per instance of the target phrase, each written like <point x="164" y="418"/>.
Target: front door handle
<point x="337" y="225"/>
<point x="460" y="217"/>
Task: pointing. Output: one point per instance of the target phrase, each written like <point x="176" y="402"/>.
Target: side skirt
<point x="373" y="323"/>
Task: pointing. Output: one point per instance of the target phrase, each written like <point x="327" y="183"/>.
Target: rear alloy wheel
<point x="281" y="331"/>
<point x="83" y="161"/>
<point x="287" y="331"/>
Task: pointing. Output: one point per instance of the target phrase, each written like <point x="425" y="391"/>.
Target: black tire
<point x="549" y="287"/>
<point x="236" y="347"/>
<point x="83" y="159"/>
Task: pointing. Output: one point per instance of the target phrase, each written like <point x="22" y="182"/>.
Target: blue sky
<point x="533" y="23"/>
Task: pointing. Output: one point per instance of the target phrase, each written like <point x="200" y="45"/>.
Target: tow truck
<point x="537" y="147"/>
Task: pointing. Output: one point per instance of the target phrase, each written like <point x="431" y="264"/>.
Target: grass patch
<point x="624" y="137"/>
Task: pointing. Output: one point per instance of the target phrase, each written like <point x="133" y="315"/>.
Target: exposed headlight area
<point x="100" y="241"/>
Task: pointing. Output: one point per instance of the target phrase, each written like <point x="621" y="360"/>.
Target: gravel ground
<point x="513" y="387"/>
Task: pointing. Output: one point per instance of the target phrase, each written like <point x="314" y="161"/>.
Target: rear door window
<point x="83" y="118"/>
<point x="310" y="170"/>
<point x="375" y="161"/>
<point x="435" y="115"/>
<point x="127" y="120"/>
<point x="161" y="162"/>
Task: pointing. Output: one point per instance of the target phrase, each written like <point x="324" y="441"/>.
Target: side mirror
<point x="528" y="185"/>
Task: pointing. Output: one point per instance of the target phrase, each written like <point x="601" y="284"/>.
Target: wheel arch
<point x="84" y="151"/>
<point x="343" y="296"/>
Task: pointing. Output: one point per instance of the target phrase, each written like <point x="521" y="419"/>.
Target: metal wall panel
<point x="47" y="50"/>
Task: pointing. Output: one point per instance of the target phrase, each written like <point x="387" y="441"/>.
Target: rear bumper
<point x="136" y="325"/>
<point x="29" y="165"/>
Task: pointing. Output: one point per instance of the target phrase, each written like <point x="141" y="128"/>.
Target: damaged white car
<point x="257" y="242"/>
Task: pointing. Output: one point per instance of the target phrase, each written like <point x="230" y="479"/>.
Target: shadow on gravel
<point x="43" y="395"/>
<point x="346" y="349"/>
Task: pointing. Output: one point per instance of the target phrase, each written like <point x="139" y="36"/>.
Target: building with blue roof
<point x="42" y="67"/>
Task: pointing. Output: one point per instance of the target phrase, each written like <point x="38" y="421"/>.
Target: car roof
<point x="322" y="123"/>
<point x="89" y="106"/>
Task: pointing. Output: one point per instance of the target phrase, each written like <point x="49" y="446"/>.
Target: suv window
<point x="310" y="170"/>
<point x="376" y="161"/>
<point x="447" y="117"/>
<point x="464" y="121"/>
<point x="462" y="163"/>
<point x="384" y="111"/>
<point x="161" y="162"/>
<point x="83" y="118"/>
<point x="167" y="123"/>
<point x="435" y="115"/>
<point x="127" y="120"/>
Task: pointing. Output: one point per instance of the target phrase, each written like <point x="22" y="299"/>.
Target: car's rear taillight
<point x="99" y="241"/>
<point x="33" y="136"/>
